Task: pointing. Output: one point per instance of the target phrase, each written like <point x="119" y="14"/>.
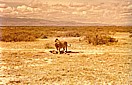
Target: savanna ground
<point x="25" y="58"/>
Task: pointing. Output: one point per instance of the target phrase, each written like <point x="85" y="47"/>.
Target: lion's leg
<point x="57" y="48"/>
<point x="64" y="49"/>
<point x="59" y="51"/>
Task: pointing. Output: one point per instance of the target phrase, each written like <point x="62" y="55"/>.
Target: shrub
<point x="72" y="34"/>
<point x="43" y="37"/>
<point x="99" y="39"/>
<point x="17" y="36"/>
<point x="66" y="34"/>
<point x="130" y="36"/>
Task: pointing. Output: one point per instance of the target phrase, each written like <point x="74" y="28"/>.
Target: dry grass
<point x="31" y="63"/>
<point x="42" y="68"/>
<point x="17" y="34"/>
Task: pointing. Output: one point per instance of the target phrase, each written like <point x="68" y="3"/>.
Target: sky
<point x="111" y="12"/>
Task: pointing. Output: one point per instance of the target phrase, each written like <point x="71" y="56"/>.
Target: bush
<point x="67" y="34"/>
<point x="72" y="34"/>
<point x="17" y="36"/>
<point x="43" y="37"/>
<point x="130" y="36"/>
<point x="99" y="39"/>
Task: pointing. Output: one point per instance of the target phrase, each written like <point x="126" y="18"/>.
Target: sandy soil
<point x="31" y="63"/>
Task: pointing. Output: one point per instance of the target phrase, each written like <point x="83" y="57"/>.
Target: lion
<point x="60" y="44"/>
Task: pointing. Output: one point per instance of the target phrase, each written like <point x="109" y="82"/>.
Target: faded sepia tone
<point x="65" y="42"/>
<point x="66" y="12"/>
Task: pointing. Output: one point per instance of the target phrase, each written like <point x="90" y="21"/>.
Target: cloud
<point x="3" y="5"/>
<point x="24" y="8"/>
<point x="1" y="10"/>
<point x="37" y="10"/>
<point x="28" y="10"/>
<point x="8" y="10"/>
<point x="4" y="8"/>
<point x="21" y="8"/>
<point x="130" y="6"/>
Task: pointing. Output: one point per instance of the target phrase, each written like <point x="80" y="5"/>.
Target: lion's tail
<point x="69" y="45"/>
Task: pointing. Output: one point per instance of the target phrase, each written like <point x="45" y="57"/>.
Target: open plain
<point x="32" y="63"/>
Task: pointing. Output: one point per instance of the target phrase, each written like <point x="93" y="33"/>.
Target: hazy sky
<point x="113" y="12"/>
<point x="63" y="1"/>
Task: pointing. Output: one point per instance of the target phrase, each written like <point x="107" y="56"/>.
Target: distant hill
<point x="5" y="21"/>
